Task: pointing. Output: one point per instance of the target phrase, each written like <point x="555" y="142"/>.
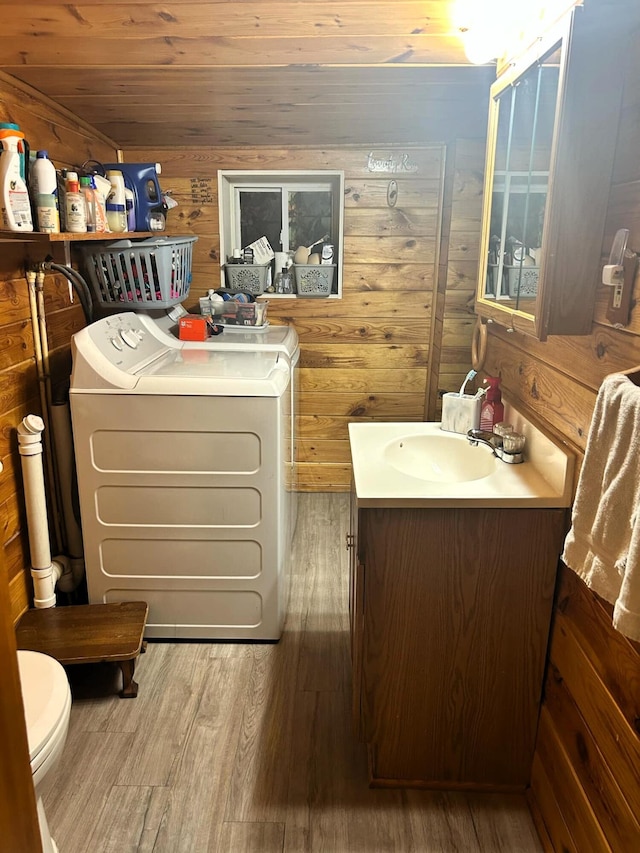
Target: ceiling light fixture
<point x="489" y="27"/>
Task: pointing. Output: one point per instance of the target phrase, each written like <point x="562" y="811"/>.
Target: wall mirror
<point x="526" y="113"/>
<point x="521" y="124"/>
<point x="553" y="119"/>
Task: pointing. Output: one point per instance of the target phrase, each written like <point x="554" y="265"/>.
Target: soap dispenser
<point x="492" y="410"/>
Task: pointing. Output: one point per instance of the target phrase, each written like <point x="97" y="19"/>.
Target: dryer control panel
<point x="126" y="341"/>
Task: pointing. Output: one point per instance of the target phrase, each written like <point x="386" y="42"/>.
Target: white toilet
<point x="47" y="704"/>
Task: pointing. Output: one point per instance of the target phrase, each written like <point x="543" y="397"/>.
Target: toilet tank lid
<point x="45" y="694"/>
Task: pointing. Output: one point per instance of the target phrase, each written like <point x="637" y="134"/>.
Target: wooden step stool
<point x="89" y="633"/>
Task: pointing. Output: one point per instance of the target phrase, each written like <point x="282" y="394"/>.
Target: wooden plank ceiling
<point x="246" y="72"/>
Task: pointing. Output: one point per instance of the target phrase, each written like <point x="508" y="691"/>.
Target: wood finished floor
<point x="248" y="748"/>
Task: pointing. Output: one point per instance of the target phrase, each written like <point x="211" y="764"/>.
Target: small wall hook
<point x="392" y="193"/>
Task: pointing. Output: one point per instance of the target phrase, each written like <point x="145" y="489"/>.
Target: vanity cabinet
<point x="449" y="615"/>
<point x="553" y="123"/>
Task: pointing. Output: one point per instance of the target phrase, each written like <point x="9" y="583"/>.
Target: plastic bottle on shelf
<point x="44" y="192"/>
<point x="89" y="203"/>
<point x="47" y="214"/>
<point x="75" y="210"/>
<point x="130" y="208"/>
<point x="43" y="175"/>
<point x="284" y="281"/>
<point x="287" y="280"/>
<point x="14" y="196"/>
<point x="101" y="189"/>
<point x="116" y="203"/>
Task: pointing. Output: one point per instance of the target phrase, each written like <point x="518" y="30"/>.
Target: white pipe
<point x="63" y="442"/>
<point x="45" y="572"/>
<point x="33" y="306"/>
<point x="36" y="326"/>
<point x="30" y="449"/>
<point x="46" y="412"/>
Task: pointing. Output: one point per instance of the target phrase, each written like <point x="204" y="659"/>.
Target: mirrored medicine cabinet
<point x="553" y="120"/>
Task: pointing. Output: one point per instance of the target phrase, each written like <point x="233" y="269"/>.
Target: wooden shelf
<point x="66" y="237"/>
<point x="124" y="235"/>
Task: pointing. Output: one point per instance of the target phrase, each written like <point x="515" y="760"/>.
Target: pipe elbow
<point x="65" y="580"/>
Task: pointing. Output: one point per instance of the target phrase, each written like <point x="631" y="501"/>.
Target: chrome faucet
<point x="494" y="443"/>
<point x="483" y="436"/>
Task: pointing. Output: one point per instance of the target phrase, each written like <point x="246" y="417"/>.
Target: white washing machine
<point x="185" y="462"/>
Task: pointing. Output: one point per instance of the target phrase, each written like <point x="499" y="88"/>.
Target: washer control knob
<point x="116" y="343"/>
<point x="129" y="337"/>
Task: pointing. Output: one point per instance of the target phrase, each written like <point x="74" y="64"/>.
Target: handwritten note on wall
<point x="202" y="191"/>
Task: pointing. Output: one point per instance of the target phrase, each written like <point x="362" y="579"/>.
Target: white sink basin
<point x="418" y="464"/>
<point x="440" y="458"/>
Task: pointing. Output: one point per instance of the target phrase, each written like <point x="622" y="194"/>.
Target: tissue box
<point x="460" y="413"/>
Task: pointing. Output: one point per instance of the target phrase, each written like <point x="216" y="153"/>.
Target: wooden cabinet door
<point x="352" y="537"/>
<point x="458" y="605"/>
<point x="356" y="616"/>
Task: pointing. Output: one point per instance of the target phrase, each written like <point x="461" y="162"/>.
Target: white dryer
<point x="185" y="462"/>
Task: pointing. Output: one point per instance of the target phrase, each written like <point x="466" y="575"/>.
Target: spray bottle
<point x="14" y="195"/>
<point x="9" y="129"/>
<point x="492" y="410"/>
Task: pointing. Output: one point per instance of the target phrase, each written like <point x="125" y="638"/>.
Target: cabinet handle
<point x="350" y="539"/>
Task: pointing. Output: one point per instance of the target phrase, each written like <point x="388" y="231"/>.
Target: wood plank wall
<point x="366" y="356"/>
<point x="70" y="142"/>
<point x="585" y="792"/>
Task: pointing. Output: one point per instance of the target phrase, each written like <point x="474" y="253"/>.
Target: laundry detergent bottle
<point x="14" y="196"/>
<point x="492" y="410"/>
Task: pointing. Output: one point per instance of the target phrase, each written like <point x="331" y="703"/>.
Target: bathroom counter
<point x="387" y="472"/>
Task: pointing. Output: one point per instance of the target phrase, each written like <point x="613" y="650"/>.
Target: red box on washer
<point x="193" y="329"/>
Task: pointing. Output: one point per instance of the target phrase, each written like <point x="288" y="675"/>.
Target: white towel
<point x="603" y="545"/>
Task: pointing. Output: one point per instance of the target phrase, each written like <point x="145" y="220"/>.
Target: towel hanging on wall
<point x="603" y="545"/>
